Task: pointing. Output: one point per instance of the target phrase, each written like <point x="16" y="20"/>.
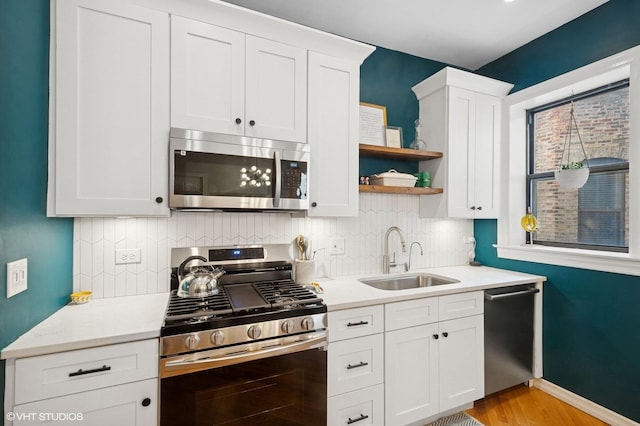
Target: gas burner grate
<point x="181" y="308"/>
<point x="286" y="294"/>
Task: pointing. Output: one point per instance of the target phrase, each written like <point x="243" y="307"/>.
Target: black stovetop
<point x="240" y="303"/>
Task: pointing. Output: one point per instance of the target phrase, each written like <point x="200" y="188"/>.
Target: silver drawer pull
<point x="360" y="364"/>
<point x="82" y="372"/>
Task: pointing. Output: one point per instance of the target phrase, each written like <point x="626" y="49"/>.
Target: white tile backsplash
<point x="96" y="239"/>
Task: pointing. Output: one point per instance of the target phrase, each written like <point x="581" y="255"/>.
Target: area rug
<point x="459" y="419"/>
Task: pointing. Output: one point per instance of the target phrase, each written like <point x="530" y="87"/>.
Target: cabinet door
<point x="486" y="155"/>
<point x="207" y="77"/>
<point x="411" y="374"/>
<point x="276" y="90"/>
<point x="461" y="140"/>
<point x="461" y="347"/>
<point x="133" y="404"/>
<point x="111" y="109"/>
<point x="333" y="135"/>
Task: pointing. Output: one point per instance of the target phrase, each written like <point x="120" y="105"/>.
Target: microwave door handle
<point x="278" y="175"/>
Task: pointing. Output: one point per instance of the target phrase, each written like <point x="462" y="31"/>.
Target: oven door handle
<point x="206" y="360"/>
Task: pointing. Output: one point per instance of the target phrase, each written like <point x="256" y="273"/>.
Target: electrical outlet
<point x="336" y="246"/>
<point x="124" y="256"/>
<point x="16" y="277"/>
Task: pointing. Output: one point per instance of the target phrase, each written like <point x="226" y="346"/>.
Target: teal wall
<point x="386" y="78"/>
<point x="24" y="229"/>
<point x="591" y="319"/>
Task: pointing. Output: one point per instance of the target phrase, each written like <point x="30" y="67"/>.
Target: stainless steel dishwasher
<point x="508" y="336"/>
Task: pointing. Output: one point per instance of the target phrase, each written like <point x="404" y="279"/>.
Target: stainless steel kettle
<point x="201" y="281"/>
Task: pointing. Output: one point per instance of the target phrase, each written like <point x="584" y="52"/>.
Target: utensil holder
<point x="304" y="271"/>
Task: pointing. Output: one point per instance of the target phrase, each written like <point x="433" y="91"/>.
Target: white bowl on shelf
<point x="393" y="178"/>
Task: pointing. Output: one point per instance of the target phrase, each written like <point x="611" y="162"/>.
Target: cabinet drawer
<point x="461" y="305"/>
<point x="357" y="322"/>
<point x="70" y="372"/>
<point x="355" y="364"/>
<point x="364" y="407"/>
<point x="410" y="313"/>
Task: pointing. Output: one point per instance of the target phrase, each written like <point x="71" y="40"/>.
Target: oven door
<point x="279" y="384"/>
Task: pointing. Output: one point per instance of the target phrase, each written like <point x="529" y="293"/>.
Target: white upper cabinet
<point x="207" y="77"/>
<point x="227" y="82"/>
<point x="334" y="88"/>
<point x="460" y="113"/>
<point x="276" y="82"/>
<point x="110" y="115"/>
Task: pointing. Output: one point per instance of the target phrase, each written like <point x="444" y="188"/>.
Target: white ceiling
<point x="466" y="33"/>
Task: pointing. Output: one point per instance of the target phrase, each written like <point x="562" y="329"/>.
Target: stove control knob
<point x="217" y="337"/>
<point x="307" y="323"/>
<point x="254" y="331"/>
<point x="287" y="326"/>
<point x="192" y="341"/>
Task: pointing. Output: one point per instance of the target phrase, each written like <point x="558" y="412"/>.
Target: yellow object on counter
<point x="81" y="297"/>
<point x="315" y="287"/>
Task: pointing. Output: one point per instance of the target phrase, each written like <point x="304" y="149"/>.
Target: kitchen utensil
<point x="199" y="282"/>
<point x="302" y="246"/>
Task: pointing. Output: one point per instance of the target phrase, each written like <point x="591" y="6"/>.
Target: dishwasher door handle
<point x="492" y="297"/>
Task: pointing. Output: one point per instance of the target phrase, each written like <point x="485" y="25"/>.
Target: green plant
<point x="572" y="165"/>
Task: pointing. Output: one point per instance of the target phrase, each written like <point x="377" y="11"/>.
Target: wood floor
<point x="523" y="406"/>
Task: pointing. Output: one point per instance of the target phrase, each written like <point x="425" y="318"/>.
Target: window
<point x="603" y="234"/>
<point x="596" y="216"/>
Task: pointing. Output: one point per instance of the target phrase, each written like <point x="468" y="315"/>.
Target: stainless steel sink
<point x="404" y="282"/>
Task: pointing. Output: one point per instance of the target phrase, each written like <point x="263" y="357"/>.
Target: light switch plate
<point x="16" y="277"/>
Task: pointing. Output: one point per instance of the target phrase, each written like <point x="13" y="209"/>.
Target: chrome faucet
<point x="408" y="266"/>
<point x="386" y="265"/>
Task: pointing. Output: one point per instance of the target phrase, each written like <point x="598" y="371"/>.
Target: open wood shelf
<point x="398" y="153"/>
<point x="399" y="190"/>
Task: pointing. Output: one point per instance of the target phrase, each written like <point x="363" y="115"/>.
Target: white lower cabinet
<point x="362" y="407"/>
<point x="355" y="367"/>
<point x="406" y="362"/>
<point x="436" y="366"/>
<point x="131" y="404"/>
<point x="101" y="386"/>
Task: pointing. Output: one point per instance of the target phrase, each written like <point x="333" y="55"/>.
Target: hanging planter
<point x="572" y="174"/>
<point x="572" y="178"/>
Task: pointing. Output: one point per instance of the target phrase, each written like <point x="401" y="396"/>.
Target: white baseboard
<point x="583" y="404"/>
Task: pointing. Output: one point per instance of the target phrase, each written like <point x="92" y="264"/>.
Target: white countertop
<point x="123" y="319"/>
<point x="96" y="323"/>
<point x="348" y="292"/>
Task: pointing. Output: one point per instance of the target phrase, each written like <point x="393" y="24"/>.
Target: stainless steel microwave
<point x="227" y="172"/>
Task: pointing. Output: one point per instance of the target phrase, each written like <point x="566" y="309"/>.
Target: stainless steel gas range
<point x="253" y="352"/>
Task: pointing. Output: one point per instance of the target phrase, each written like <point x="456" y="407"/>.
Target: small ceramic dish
<point x="81" y="297"/>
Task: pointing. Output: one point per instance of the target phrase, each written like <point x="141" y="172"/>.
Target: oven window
<point x="286" y="390"/>
<point x="198" y="173"/>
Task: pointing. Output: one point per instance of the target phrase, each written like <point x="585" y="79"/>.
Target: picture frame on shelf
<point x="393" y="137"/>
<point x="373" y="122"/>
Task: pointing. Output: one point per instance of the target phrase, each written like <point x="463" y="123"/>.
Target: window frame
<point x="533" y="176"/>
<point x="511" y="242"/>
